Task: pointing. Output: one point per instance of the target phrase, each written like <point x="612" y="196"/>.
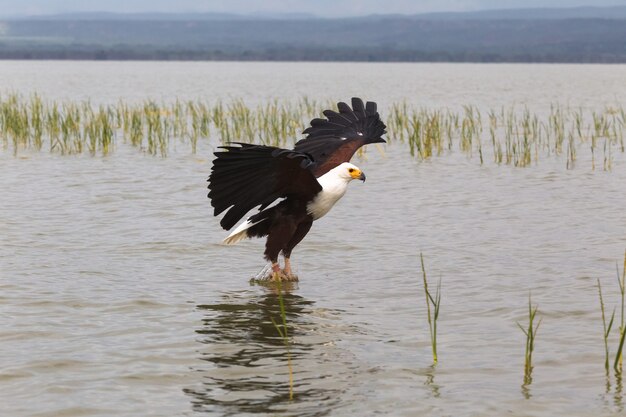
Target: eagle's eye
<point x="351" y="170"/>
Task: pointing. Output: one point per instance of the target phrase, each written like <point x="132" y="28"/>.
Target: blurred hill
<point x="585" y="34"/>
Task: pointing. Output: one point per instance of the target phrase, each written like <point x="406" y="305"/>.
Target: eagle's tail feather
<point x="241" y="232"/>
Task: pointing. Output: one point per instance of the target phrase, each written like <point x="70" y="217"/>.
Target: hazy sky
<point x="323" y="8"/>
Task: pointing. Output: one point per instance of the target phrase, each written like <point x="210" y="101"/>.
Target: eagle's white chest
<point x="332" y="190"/>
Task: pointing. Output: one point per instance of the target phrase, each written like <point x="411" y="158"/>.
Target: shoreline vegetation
<point x="514" y="136"/>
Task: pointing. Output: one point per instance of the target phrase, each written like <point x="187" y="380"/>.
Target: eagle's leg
<point x="280" y="238"/>
<point x="287" y="268"/>
<point x="272" y="250"/>
<point x="287" y="272"/>
<point x="301" y="231"/>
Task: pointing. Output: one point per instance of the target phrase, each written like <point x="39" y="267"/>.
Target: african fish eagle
<point x="309" y="179"/>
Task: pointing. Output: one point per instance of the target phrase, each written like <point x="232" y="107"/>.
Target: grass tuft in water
<point x="606" y="328"/>
<point x="518" y="137"/>
<point x="282" y="330"/>
<point x="621" y="281"/>
<point x="531" y="332"/>
<point x="434" y="315"/>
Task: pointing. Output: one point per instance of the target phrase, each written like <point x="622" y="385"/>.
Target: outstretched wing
<point x="335" y="139"/>
<point x="246" y="176"/>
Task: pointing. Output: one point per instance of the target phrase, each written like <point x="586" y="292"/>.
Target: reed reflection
<point x="247" y="368"/>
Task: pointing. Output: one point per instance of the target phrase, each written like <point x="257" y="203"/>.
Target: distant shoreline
<point x="574" y="35"/>
<point x="176" y="57"/>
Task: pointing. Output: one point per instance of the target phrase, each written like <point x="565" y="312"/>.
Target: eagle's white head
<point x="334" y="185"/>
<point x="347" y="172"/>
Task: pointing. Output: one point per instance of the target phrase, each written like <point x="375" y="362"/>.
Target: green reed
<point x="618" y="361"/>
<point x="606" y="331"/>
<point x="606" y="328"/>
<point x="283" y="331"/>
<point x="530" y="331"/>
<point x="517" y="137"/>
<point x="434" y="315"/>
<point x="621" y="281"/>
<point x="513" y="136"/>
<point x="76" y="127"/>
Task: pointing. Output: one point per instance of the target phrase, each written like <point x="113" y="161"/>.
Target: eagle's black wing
<point x="246" y="176"/>
<point x="335" y="139"/>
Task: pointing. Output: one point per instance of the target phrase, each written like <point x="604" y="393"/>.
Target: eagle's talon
<point x="279" y="276"/>
<point x="289" y="276"/>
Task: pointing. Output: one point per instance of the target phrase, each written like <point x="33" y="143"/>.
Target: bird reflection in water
<point x="246" y="358"/>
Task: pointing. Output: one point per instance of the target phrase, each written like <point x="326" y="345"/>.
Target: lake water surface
<point x="117" y="298"/>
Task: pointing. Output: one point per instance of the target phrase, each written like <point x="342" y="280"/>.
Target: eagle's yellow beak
<point x="357" y="174"/>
